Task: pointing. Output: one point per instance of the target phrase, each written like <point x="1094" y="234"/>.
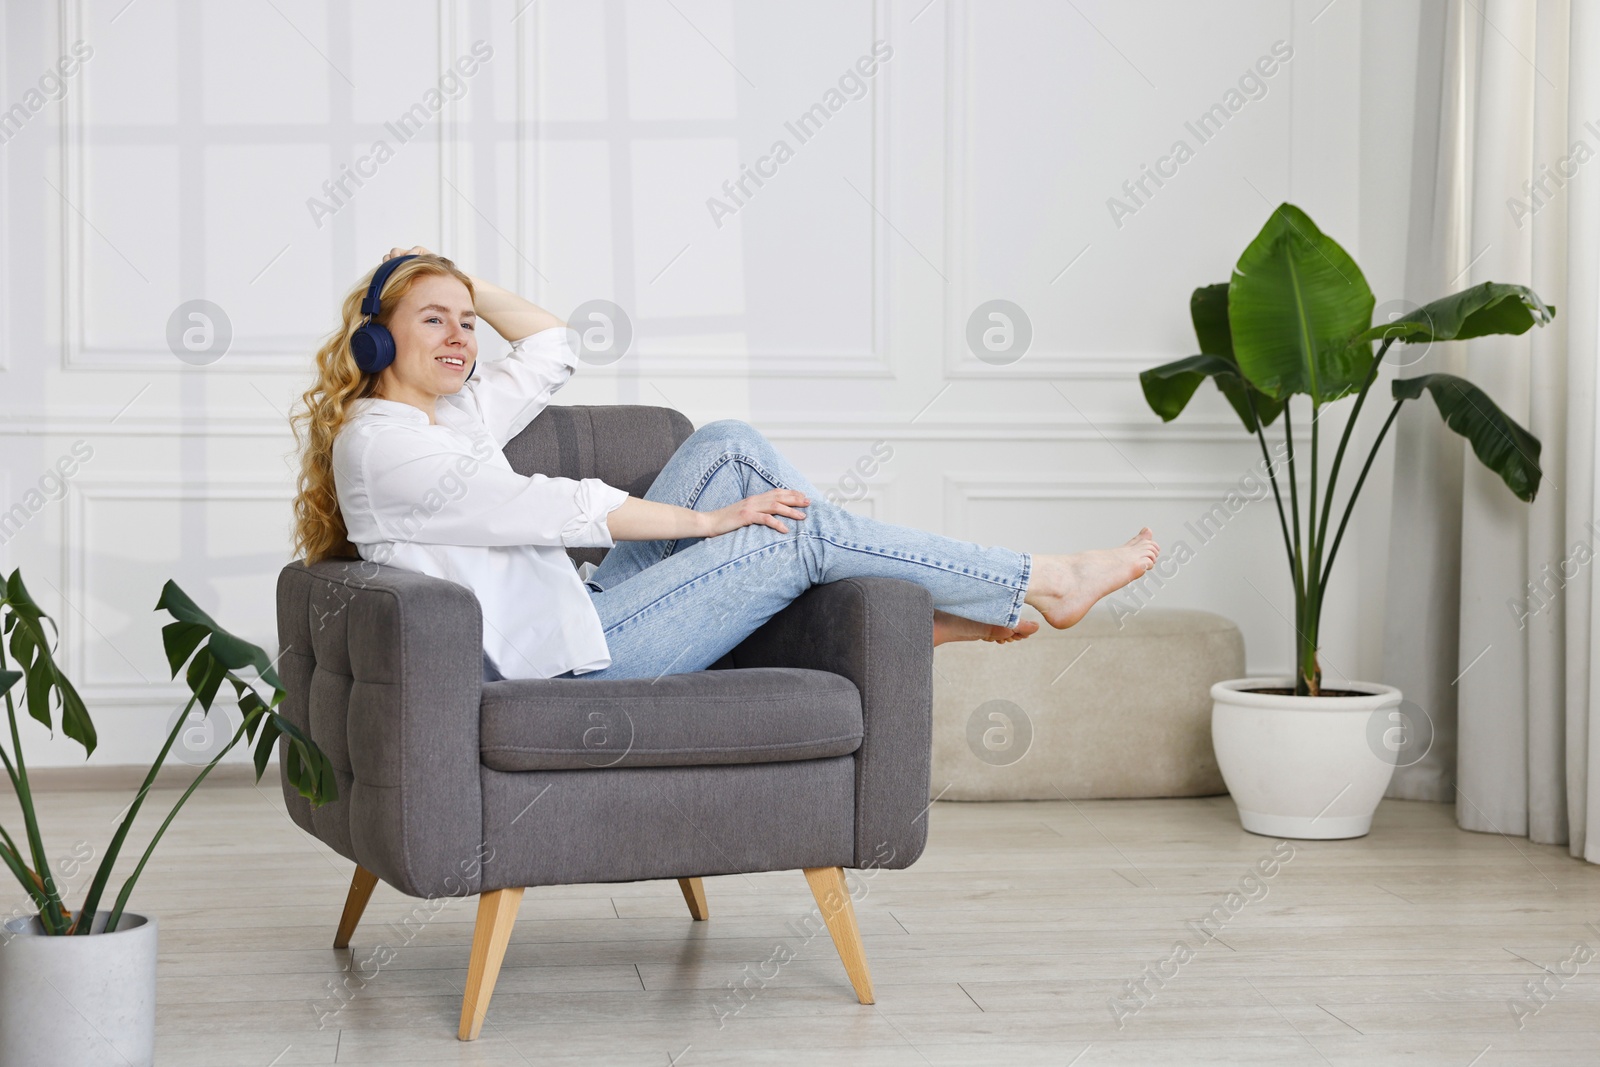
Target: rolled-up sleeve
<point x="595" y="500"/>
<point x="423" y="488"/>
<point x="506" y="394"/>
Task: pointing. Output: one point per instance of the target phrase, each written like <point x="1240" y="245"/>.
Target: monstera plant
<point x="1295" y="320"/>
<point x="48" y="961"/>
<point x="217" y="656"/>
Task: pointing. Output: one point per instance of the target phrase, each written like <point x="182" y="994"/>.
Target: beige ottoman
<point x="1096" y="710"/>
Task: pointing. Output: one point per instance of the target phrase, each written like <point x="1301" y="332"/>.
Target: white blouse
<point x="442" y="499"/>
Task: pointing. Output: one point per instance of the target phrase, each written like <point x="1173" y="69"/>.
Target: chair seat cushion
<point x="757" y="715"/>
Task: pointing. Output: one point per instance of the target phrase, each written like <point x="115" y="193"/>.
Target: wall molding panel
<point x="962" y="491"/>
<point x="665" y="360"/>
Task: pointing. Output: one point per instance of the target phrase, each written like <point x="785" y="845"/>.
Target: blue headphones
<point x="372" y="344"/>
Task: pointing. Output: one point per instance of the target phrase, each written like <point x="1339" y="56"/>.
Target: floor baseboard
<point x="131" y="776"/>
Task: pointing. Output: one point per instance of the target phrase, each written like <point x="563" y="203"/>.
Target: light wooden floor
<point x="1002" y="945"/>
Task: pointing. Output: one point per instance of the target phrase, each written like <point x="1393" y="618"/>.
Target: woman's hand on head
<point x="762" y="509"/>
<point x="414" y="250"/>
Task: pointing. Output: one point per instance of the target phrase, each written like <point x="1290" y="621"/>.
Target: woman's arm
<point x="400" y="483"/>
<point x="651" y="520"/>
<point x="511" y="316"/>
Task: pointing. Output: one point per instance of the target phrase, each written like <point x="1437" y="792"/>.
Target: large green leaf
<point x="1489" y="308"/>
<point x="305" y="765"/>
<point x="307" y="768"/>
<point x="1208" y="310"/>
<point x="181" y="637"/>
<point x="1503" y="446"/>
<point x="1169" y="387"/>
<point x="1295" y="303"/>
<point x="205" y="676"/>
<point x="30" y="644"/>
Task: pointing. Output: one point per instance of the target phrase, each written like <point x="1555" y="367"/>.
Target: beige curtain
<point x="1490" y="613"/>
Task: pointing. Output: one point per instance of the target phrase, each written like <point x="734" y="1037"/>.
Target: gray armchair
<point x="806" y="747"/>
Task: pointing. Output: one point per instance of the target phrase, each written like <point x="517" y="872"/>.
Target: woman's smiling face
<point x="435" y="340"/>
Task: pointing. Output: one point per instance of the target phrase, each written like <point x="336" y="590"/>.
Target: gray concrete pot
<point x="78" y="1001"/>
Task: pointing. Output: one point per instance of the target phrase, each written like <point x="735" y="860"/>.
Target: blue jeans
<point x="670" y="607"/>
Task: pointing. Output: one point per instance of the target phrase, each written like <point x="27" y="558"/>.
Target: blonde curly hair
<point x="319" y="529"/>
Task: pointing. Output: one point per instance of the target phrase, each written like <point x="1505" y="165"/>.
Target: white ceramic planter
<point x="80" y="1000"/>
<point x="1303" y="767"/>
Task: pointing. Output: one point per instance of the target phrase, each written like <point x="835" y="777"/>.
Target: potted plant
<point x="1296" y="320"/>
<point x="79" y="986"/>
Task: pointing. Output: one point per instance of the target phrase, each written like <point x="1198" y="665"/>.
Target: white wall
<point x="830" y="309"/>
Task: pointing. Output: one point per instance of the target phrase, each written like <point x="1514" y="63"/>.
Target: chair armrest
<point x="877" y="632"/>
<point x="384" y="668"/>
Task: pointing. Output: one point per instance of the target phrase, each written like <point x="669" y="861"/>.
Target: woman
<point x="404" y="464"/>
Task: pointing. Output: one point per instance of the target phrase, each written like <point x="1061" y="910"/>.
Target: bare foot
<point x="1064" y="588"/>
<point x="947" y="627"/>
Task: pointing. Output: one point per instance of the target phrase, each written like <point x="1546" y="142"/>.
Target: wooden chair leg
<point x="833" y="900"/>
<point x="694" y="894"/>
<point x="497" y="913"/>
<point x="355" y="902"/>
